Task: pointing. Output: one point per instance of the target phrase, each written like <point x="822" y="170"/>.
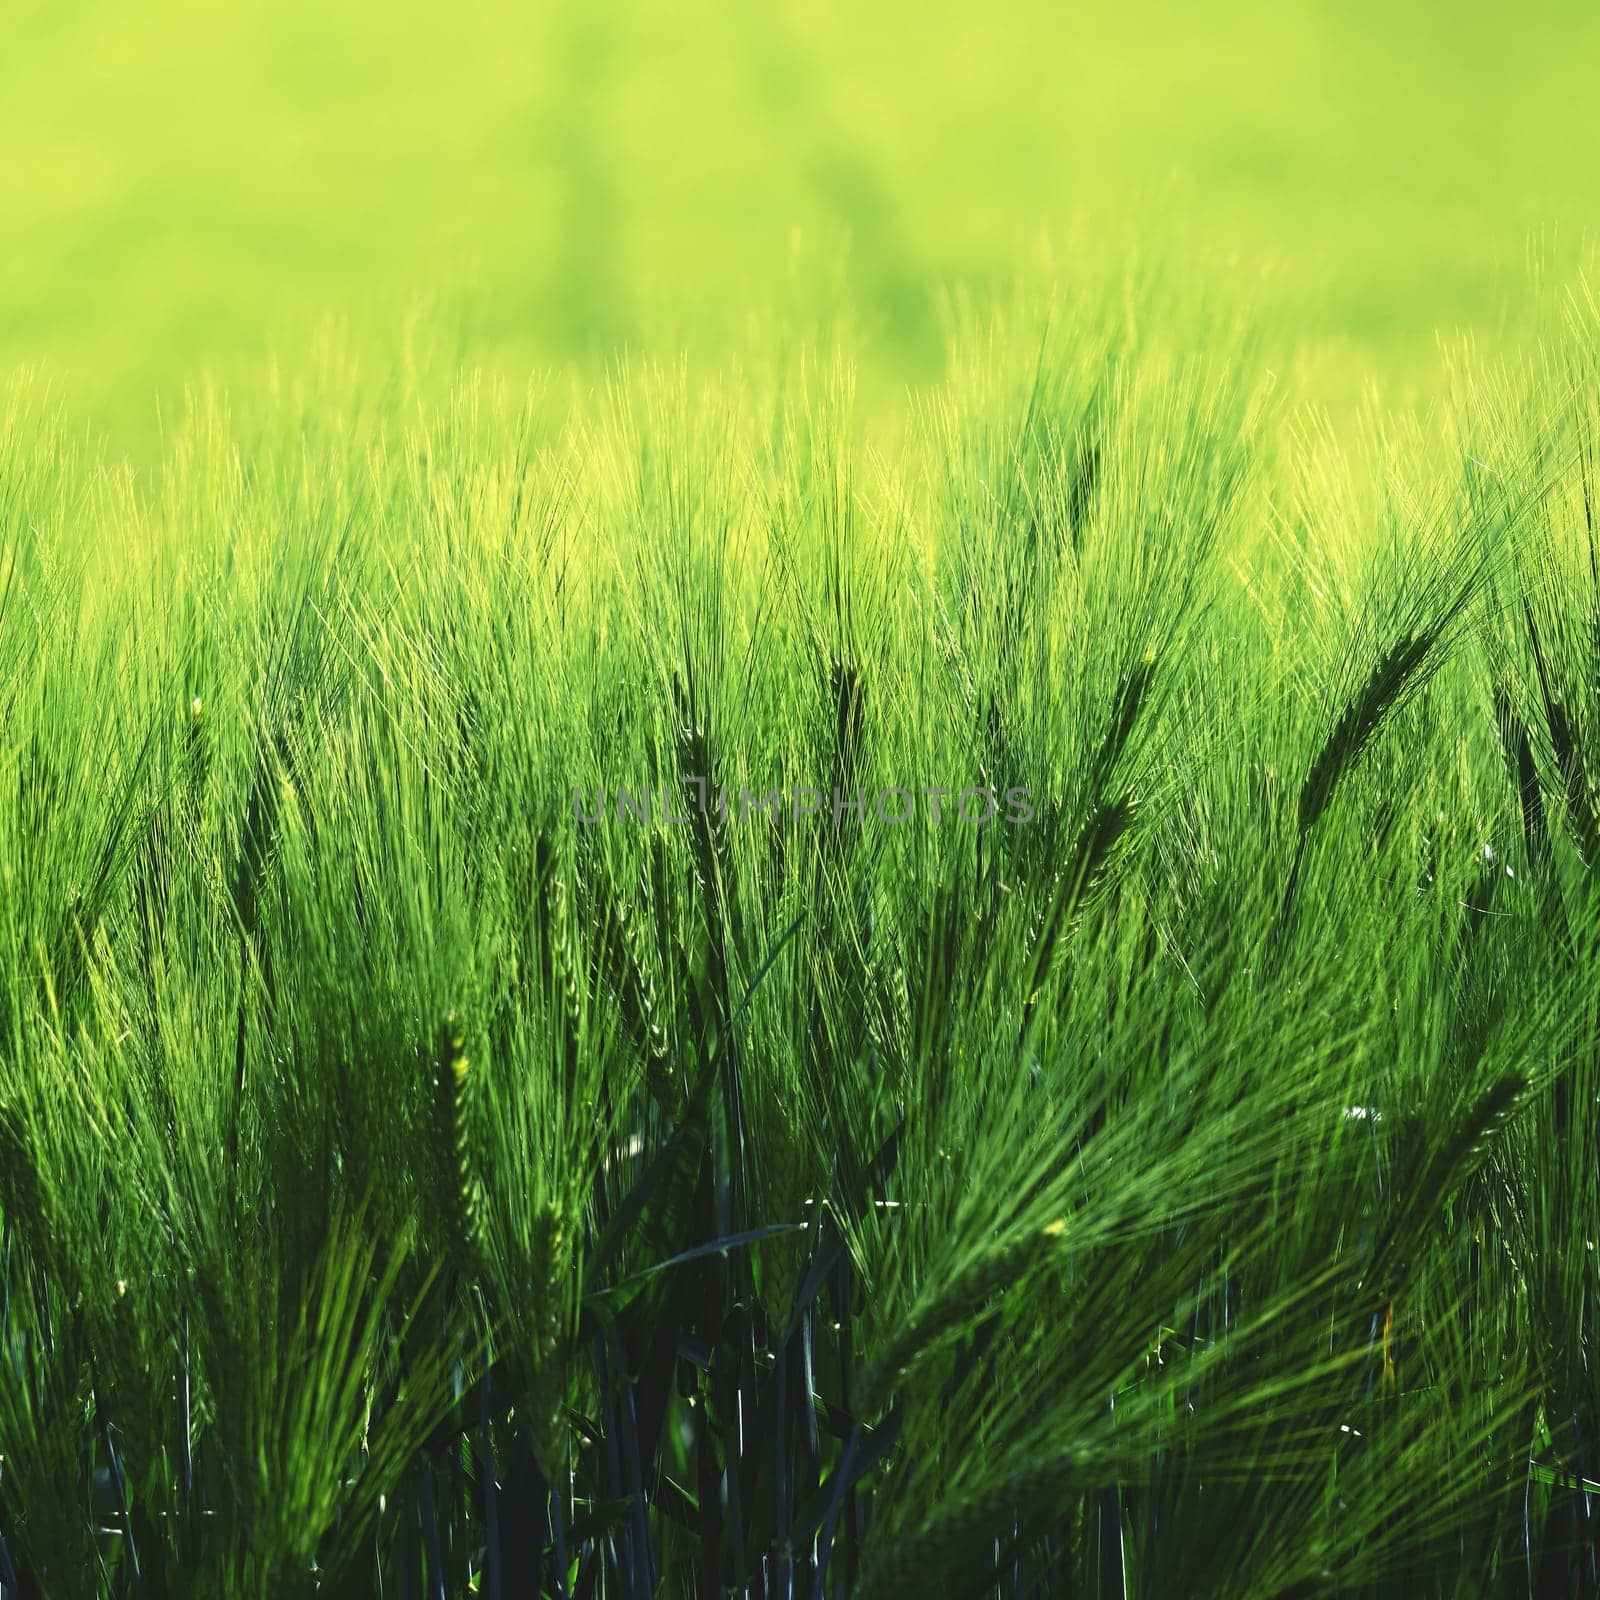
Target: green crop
<point x="1171" y="1182"/>
<point x="868" y="871"/>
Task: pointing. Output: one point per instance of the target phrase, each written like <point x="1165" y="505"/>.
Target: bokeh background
<point x="187" y="186"/>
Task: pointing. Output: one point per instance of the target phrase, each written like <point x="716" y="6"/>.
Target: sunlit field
<point x="798" y="802"/>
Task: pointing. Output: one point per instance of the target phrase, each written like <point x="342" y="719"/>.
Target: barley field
<point x="799" y="802"/>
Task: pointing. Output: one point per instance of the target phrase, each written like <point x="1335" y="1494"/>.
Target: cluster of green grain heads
<point x="407" y="1189"/>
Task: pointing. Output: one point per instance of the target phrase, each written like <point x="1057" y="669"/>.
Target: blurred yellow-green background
<point x="188" y="185"/>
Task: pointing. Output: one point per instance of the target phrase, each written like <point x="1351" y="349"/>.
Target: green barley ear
<point x="1363" y="714"/>
<point x="567" y="970"/>
<point x="1518" y="750"/>
<point x="1428" y="1180"/>
<point x="1396" y="674"/>
<point x="549" y="1327"/>
<point x="623" y="965"/>
<point x="456" y="1096"/>
<point x="1133" y="690"/>
<point x="1581" y="813"/>
<point x="946" y="1309"/>
<point x="561" y="948"/>
<point x="643" y="1004"/>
